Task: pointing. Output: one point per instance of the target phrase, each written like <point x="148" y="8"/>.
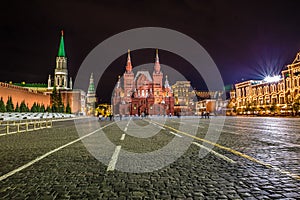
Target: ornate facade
<point x="263" y="96"/>
<point x="142" y="93"/>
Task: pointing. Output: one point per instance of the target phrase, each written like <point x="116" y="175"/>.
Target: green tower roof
<point x="61" y="50"/>
<point x="91" y="88"/>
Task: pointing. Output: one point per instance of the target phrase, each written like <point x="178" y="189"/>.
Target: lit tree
<point x="56" y="99"/>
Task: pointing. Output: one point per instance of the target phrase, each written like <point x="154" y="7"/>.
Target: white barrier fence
<point x="10" y="127"/>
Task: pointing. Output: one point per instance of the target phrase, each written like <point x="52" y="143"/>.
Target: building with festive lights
<point x="184" y="97"/>
<point x="271" y="95"/>
<point x="210" y="101"/>
<point x="141" y="93"/>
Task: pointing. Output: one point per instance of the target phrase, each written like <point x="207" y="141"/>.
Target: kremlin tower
<point x="61" y="71"/>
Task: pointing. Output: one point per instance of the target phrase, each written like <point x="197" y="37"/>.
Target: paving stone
<point x="292" y="195"/>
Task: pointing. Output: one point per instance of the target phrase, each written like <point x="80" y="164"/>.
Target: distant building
<point x="184" y="98"/>
<point x="210" y="101"/>
<point x="142" y="93"/>
<point x="269" y="96"/>
<point x="91" y="98"/>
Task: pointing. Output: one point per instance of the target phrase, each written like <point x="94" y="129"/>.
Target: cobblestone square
<point x="253" y="158"/>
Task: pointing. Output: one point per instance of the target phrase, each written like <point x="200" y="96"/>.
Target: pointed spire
<point x="156" y="58"/>
<point x="128" y="56"/>
<point x="128" y="66"/>
<point x="156" y="65"/>
<point x="119" y="82"/>
<point x="61" y="50"/>
<point x="71" y="83"/>
<point x="167" y="85"/>
<point x="49" y="81"/>
<point x="92" y="77"/>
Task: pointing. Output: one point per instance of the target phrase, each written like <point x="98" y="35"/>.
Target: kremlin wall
<point x="20" y="94"/>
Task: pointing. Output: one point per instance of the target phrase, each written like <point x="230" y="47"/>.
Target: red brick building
<point x="142" y="93"/>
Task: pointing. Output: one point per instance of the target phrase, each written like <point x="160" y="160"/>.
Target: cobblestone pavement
<point x="254" y="158"/>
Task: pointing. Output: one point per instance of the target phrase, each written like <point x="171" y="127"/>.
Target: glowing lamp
<point x="272" y="79"/>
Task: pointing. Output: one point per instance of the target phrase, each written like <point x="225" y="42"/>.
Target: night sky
<point x="246" y="39"/>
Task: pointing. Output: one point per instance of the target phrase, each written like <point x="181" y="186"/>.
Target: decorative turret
<point x="119" y="82"/>
<point x="167" y="85"/>
<point x="128" y="66"/>
<point x="71" y="83"/>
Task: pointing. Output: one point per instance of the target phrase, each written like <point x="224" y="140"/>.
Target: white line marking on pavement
<point x="68" y="119"/>
<point x="112" y="164"/>
<point x="123" y="136"/>
<point x="227" y="131"/>
<point x="125" y="129"/>
<point x="128" y="122"/>
<point x="49" y="153"/>
<point x="214" y="152"/>
<point x="199" y="126"/>
<point x="161" y="127"/>
<point x="175" y="134"/>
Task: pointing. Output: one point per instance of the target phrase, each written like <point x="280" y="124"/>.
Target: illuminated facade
<point x="264" y="96"/>
<point x="143" y="94"/>
<point x="210" y="101"/>
<point x="183" y="97"/>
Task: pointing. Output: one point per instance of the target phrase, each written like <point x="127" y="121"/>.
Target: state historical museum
<point x="143" y="94"/>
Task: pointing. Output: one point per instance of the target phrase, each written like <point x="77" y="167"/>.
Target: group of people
<point x="110" y="117"/>
<point x="205" y="114"/>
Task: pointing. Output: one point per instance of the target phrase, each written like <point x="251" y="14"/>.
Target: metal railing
<point x="10" y="127"/>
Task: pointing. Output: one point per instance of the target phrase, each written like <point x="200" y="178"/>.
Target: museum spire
<point x="128" y="66"/>
<point x="157" y="65"/>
